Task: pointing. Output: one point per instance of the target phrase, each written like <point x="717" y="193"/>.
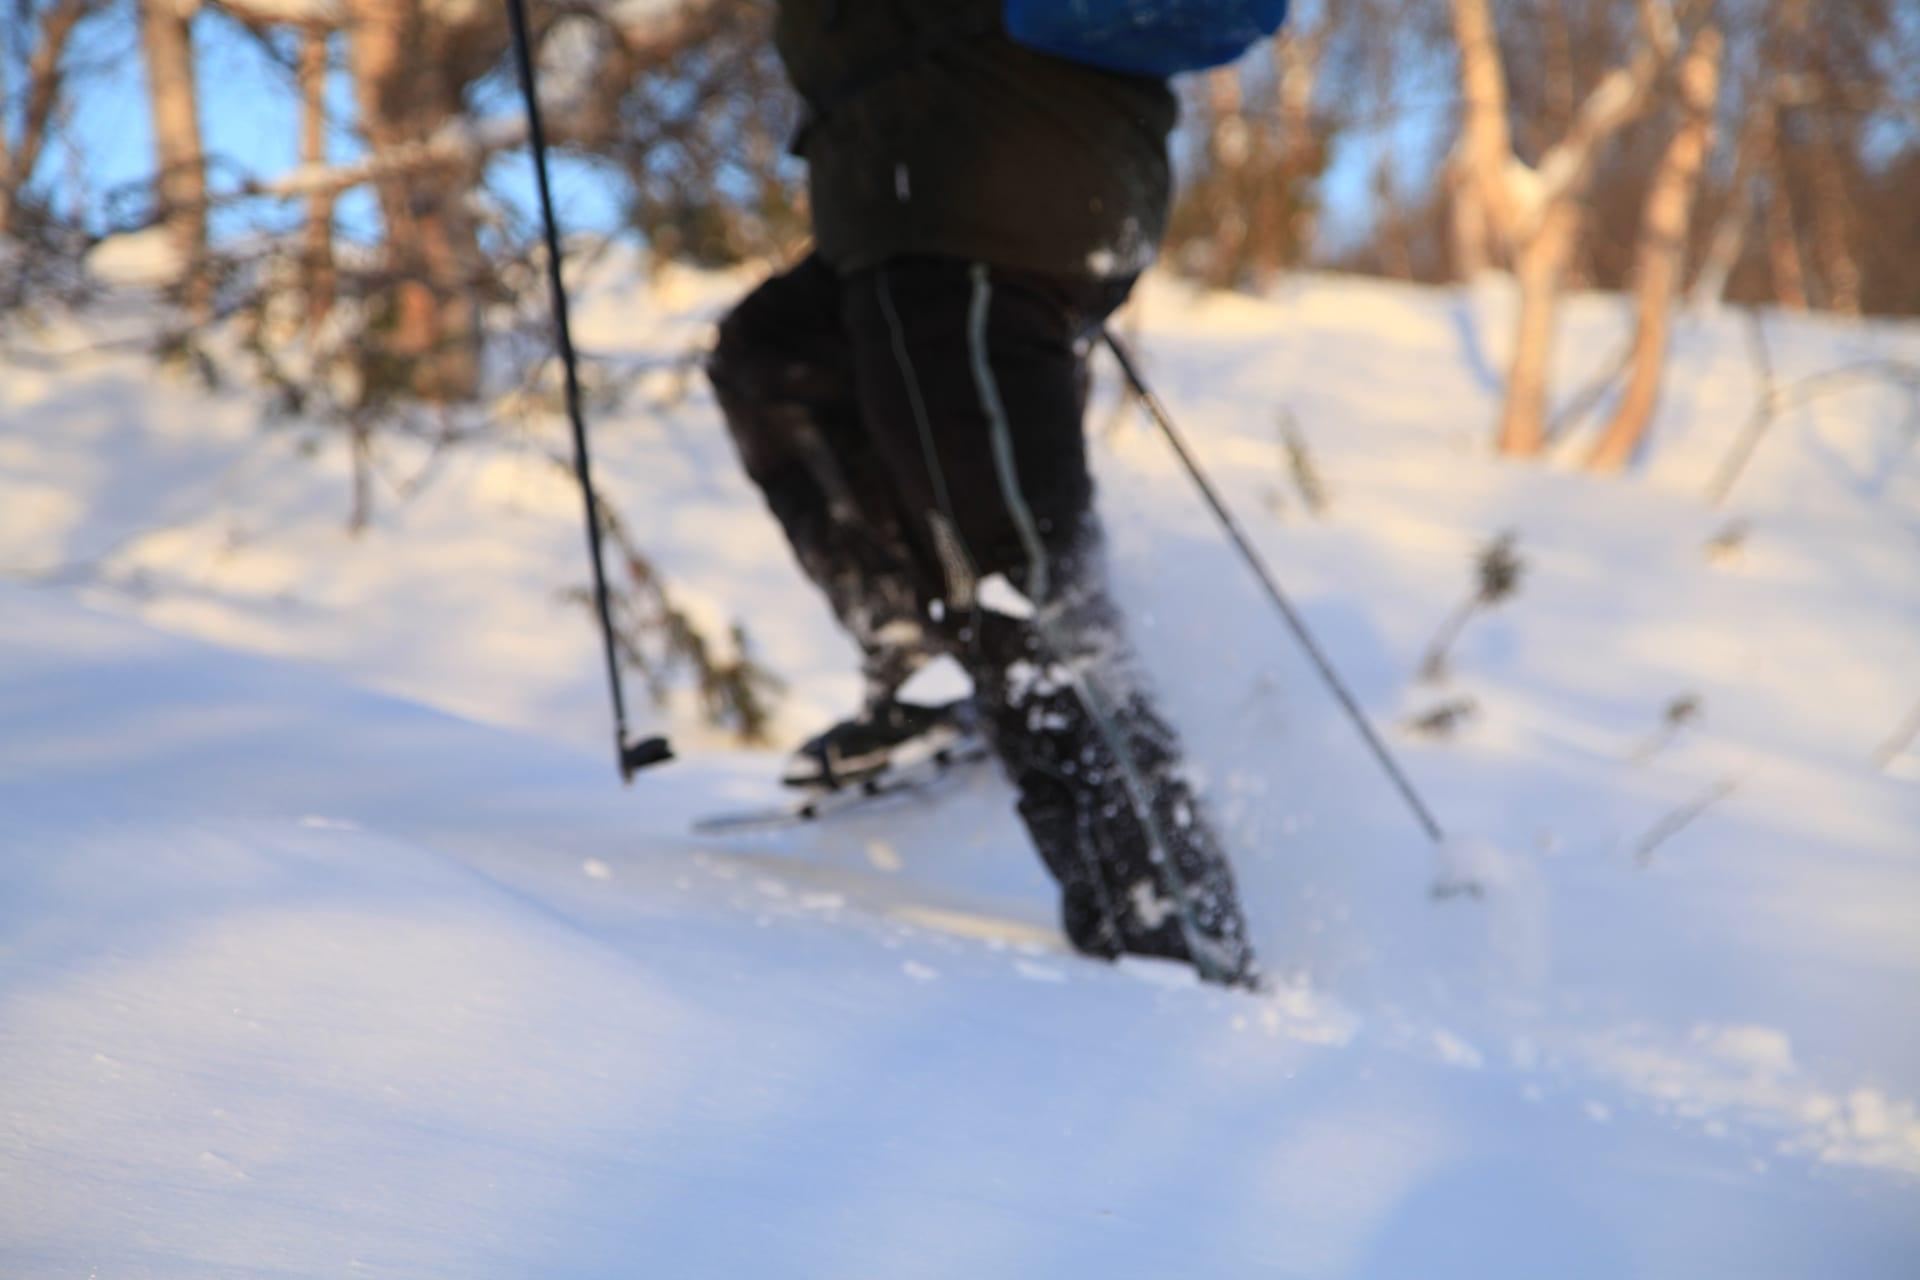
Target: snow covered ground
<point x="328" y="945"/>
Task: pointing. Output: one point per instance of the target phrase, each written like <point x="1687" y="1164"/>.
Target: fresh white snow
<point x="329" y="945"/>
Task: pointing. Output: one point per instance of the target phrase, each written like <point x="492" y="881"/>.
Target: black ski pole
<point x="1297" y="624"/>
<point x="632" y="756"/>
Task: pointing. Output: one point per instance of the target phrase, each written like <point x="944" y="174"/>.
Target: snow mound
<point x="318" y="953"/>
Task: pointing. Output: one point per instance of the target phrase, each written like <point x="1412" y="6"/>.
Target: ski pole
<point x="632" y="756"/>
<point x="1295" y="622"/>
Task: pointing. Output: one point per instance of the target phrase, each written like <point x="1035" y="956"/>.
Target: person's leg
<point x="974" y="382"/>
<point x="783" y="372"/>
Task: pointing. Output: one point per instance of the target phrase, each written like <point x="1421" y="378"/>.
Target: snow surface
<point x="328" y="945"/>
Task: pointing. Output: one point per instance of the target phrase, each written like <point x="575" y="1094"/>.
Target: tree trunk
<point x="1729" y="236"/>
<point x="1660" y="256"/>
<point x="1396" y="258"/>
<point x="1559" y="70"/>
<point x="317" y="255"/>
<point x="1832" y="232"/>
<point x="408" y="90"/>
<point x="1533" y="213"/>
<point x="1480" y="214"/>
<point x="181" y="188"/>
<point x="1783" y="240"/>
<point x="1297" y="61"/>
<point x="39" y="95"/>
<point x="1228" y="152"/>
<point x="1902" y="738"/>
<point x="1468" y="235"/>
<point x="1541" y="269"/>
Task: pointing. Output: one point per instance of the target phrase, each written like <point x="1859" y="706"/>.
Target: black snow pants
<point x="917" y="430"/>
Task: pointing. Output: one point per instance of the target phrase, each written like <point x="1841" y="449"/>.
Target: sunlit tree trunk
<point x="1660" y="257"/>
<point x="1477" y="169"/>
<point x="1540" y="270"/>
<point x="1533" y="213"/>
<point x="181" y="187"/>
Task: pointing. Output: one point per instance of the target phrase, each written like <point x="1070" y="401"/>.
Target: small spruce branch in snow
<point x="1773" y="399"/>
<point x="660" y="640"/>
<point x="1300" y="464"/>
<point x="1500" y="570"/>
<point x="1445" y="719"/>
<point x="1766" y="405"/>
<point x="1894" y="747"/>
<point x="42" y="269"/>
<point x="1450" y="888"/>
<point x="327" y="381"/>
<point x="1778" y="400"/>
<point x="1726" y="546"/>
<point x="1681" y="713"/>
<point x="1682" y="818"/>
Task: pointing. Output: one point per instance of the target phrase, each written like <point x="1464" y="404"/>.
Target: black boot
<point x="1130" y="887"/>
<point x="1140" y="869"/>
<point x="887" y="735"/>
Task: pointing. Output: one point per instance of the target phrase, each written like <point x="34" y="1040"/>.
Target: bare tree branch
<point x="20" y="158"/>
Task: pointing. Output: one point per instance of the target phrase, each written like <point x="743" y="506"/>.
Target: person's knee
<point x="738" y="365"/>
<point x="771" y="392"/>
<point x="781" y="341"/>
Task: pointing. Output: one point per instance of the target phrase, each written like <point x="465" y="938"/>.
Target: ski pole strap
<point x="1295" y="622"/>
<point x="632" y="756"/>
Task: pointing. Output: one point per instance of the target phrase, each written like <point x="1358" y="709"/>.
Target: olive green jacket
<point x="931" y="133"/>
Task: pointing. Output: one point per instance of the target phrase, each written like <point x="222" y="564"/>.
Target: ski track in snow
<point x="314" y="960"/>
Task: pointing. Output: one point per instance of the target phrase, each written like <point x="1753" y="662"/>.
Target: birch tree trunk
<point x="181" y="187"/>
<point x="1540" y="269"/>
<point x="1534" y="213"/>
<point x="1477" y="169"/>
<point x="1660" y="257"/>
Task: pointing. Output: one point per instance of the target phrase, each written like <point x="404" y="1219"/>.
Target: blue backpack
<point x="1144" y="37"/>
